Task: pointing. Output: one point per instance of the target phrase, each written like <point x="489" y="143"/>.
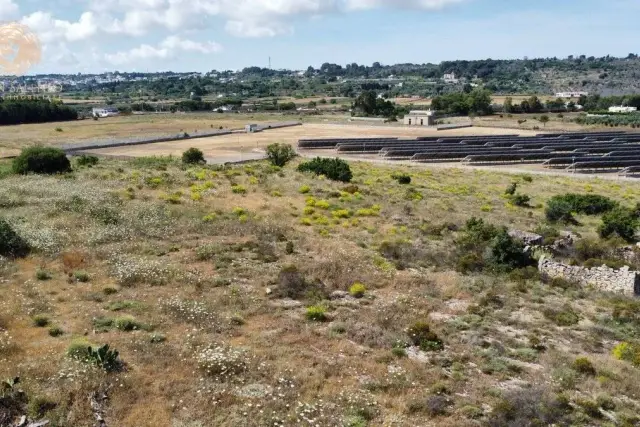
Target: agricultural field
<point x="263" y="296"/>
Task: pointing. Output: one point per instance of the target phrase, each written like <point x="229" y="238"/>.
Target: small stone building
<point x="251" y="128"/>
<point x="419" y="118"/>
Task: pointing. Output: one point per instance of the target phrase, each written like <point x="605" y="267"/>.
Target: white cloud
<point x="8" y="10"/>
<point x="170" y="47"/>
<point x="54" y="30"/>
<point x="244" y="18"/>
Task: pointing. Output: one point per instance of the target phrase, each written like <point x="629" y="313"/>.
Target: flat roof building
<point x="419" y="118"/>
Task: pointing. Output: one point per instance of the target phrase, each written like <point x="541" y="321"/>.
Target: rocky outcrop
<point x="602" y="278"/>
<point x="529" y="239"/>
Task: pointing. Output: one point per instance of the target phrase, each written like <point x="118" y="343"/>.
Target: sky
<point x="95" y="36"/>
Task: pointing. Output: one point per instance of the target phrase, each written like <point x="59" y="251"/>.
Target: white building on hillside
<point x="621" y="109"/>
<point x="571" y="94"/>
<point x="450" y="78"/>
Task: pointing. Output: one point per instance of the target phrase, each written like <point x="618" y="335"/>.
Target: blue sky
<point x="200" y="35"/>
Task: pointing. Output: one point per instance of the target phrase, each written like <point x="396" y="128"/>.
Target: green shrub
<point x="508" y="253"/>
<point x="402" y="178"/>
<point x="629" y="352"/>
<point x="127" y="323"/>
<point x="584" y="366"/>
<point x="357" y="290"/>
<point x="560" y="207"/>
<point x="280" y="154"/>
<point x="81" y="276"/>
<point x="511" y="190"/>
<point x="40" y="320"/>
<point x="86" y="160"/>
<point x="521" y="200"/>
<point x="289" y="249"/>
<point x="11" y="244"/>
<point x="304" y="189"/>
<point x="565" y="316"/>
<point x="56" y="331"/>
<point x="621" y="221"/>
<point x="421" y="335"/>
<point x="559" y="211"/>
<point x="238" y="189"/>
<point x="316" y="313"/>
<point x="79" y="349"/>
<point x="41" y="160"/>
<point x="42" y="274"/>
<point x="334" y="169"/>
<point x="193" y="156"/>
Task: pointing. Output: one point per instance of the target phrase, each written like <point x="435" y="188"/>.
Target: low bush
<point x="41" y="160"/>
<point x="530" y="407"/>
<point x="11" y="244"/>
<point x="561" y="207"/>
<point x="584" y="366"/>
<point x="193" y="156"/>
<point x="87" y="160"/>
<point x="620" y="221"/>
<point x="334" y="169"/>
<point x="305" y="189"/>
<point x="316" y="313"/>
<point x="482" y="245"/>
<point x="280" y="154"/>
<point x="79" y="349"/>
<point x="629" y="352"/>
<point x="511" y="189"/>
<point x="521" y="200"/>
<point x="43" y="274"/>
<point x="357" y="290"/>
<point x="402" y="178"/>
<point x="81" y="276"/>
<point x="56" y="331"/>
<point x="40" y="320"/>
<point x="566" y="316"/>
<point x="291" y="283"/>
<point x="421" y="336"/>
<point x="127" y="323"/>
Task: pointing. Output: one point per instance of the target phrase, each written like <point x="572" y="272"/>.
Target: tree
<point x="508" y="105"/>
<point x="193" y="156"/>
<point x="479" y="101"/>
<point x="280" y="154"/>
<point x="544" y="119"/>
<point x="535" y="106"/>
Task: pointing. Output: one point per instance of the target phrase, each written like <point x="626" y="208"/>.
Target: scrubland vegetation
<point x="262" y="295"/>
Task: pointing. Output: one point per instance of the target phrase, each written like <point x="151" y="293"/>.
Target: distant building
<point x="105" y="112"/>
<point x="251" y="128"/>
<point x="419" y="118"/>
<point x="450" y="78"/>
<point x="571" y="94"/>
<point x="621" y="109"/>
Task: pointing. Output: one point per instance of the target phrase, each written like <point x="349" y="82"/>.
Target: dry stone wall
<point x="602" y="278"/>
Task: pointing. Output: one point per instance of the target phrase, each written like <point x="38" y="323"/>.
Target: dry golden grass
<point x="238" y="243"/>
<point x="230" y="144"/>
<point x="13" y="138"/>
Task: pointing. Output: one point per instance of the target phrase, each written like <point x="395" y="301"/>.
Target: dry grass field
<point x="13" y="138"/>
<point x="226" y="292"/>
<point x="227" y="144"/>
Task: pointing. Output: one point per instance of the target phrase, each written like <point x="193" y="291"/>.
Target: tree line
<point x="13" y="112"/>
